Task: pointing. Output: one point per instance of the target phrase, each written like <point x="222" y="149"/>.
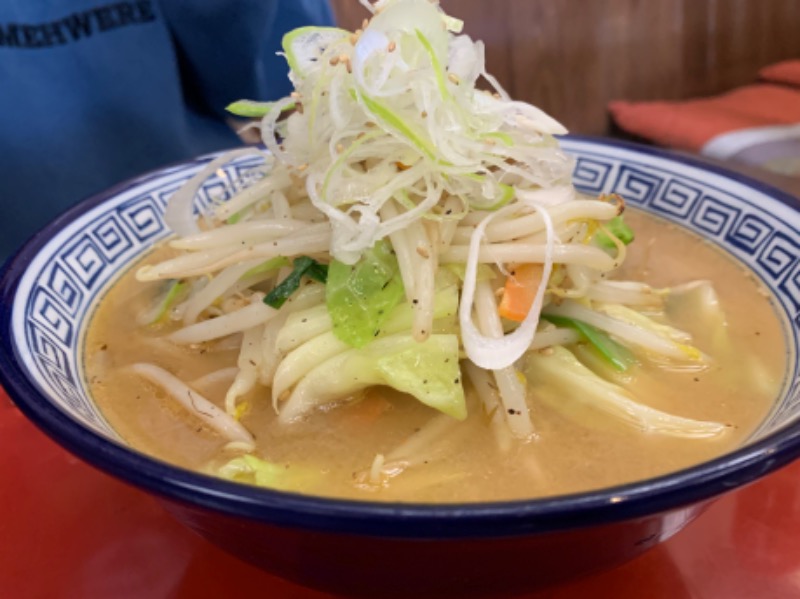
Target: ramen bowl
<point x="50" y="288"/>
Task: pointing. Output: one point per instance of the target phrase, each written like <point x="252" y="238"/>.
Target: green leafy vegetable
<point x="235" y="218"/>
<point x="303" y="266"/>
<point x="175" y="290"/>
<point x="445" y="305"/>
<point x="619" y="229"/>
<point x="362" y="296"/>
<point x="484" y="272"/>
<point x="616" y="354"/>
<point x="577" y="393"/>
<point x="428" y="370"/>
<point x="252" y="470"/>
<point x="252" y="109"/>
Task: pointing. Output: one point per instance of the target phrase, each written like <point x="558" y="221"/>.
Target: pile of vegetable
<point x="415" y="228"/>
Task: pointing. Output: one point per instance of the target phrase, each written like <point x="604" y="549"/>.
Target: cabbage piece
<point x="700" y="299"/>
<point x="255" y="471"/>
<point x="324" y="344"/>
<point x="619" y="229"/>
<point x="427" y="370"/>
<point x="581" y="394"/>
<point x="362" y="296"/>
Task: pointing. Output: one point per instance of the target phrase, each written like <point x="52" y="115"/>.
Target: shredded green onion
<point x="616" y="354"/>
<point x="303" y="266"/>
<point x="175" y="290"/>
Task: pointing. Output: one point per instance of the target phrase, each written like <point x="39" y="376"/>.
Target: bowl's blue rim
<point x="417" y="521"/>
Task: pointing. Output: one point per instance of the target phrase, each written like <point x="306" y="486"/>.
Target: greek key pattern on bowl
<point x="734" y="216"/>
<point x="76" y="266"/>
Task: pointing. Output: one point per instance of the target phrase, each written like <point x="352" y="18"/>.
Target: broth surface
<point x="738" y="389"/>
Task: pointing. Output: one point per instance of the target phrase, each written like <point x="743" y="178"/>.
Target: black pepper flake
<point x="696" y="379"/>
<point x="104" y="347"/>
<point x="456" y="380"/>
<point x="415" y="301"/>
<point x="304" y="320"/>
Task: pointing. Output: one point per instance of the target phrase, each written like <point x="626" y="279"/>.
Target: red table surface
<point x="67" y="530"/>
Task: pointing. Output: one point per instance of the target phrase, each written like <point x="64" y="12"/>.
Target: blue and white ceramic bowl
<point x="51" y="286"/>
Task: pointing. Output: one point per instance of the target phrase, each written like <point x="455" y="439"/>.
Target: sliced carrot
<point x="364" y="413"/>
<point x="520" y="290"/>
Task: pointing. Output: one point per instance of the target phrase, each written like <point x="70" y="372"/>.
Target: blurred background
<point x="572" y="57"/>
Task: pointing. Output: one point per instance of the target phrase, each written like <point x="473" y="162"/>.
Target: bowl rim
<point x="397" y="520"/>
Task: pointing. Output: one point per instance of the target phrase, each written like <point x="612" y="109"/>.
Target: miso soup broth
<point x="332" y="451"/>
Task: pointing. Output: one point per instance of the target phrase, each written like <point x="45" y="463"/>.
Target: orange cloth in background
<point x="786" y="72"/>
<point x="689" y="125"/>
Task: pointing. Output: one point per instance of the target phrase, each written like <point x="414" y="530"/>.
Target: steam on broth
<point x="331" y="450"/>
<point x="410" y="300"/>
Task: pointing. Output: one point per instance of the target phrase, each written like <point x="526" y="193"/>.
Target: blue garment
<point x="93" y="92"/>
